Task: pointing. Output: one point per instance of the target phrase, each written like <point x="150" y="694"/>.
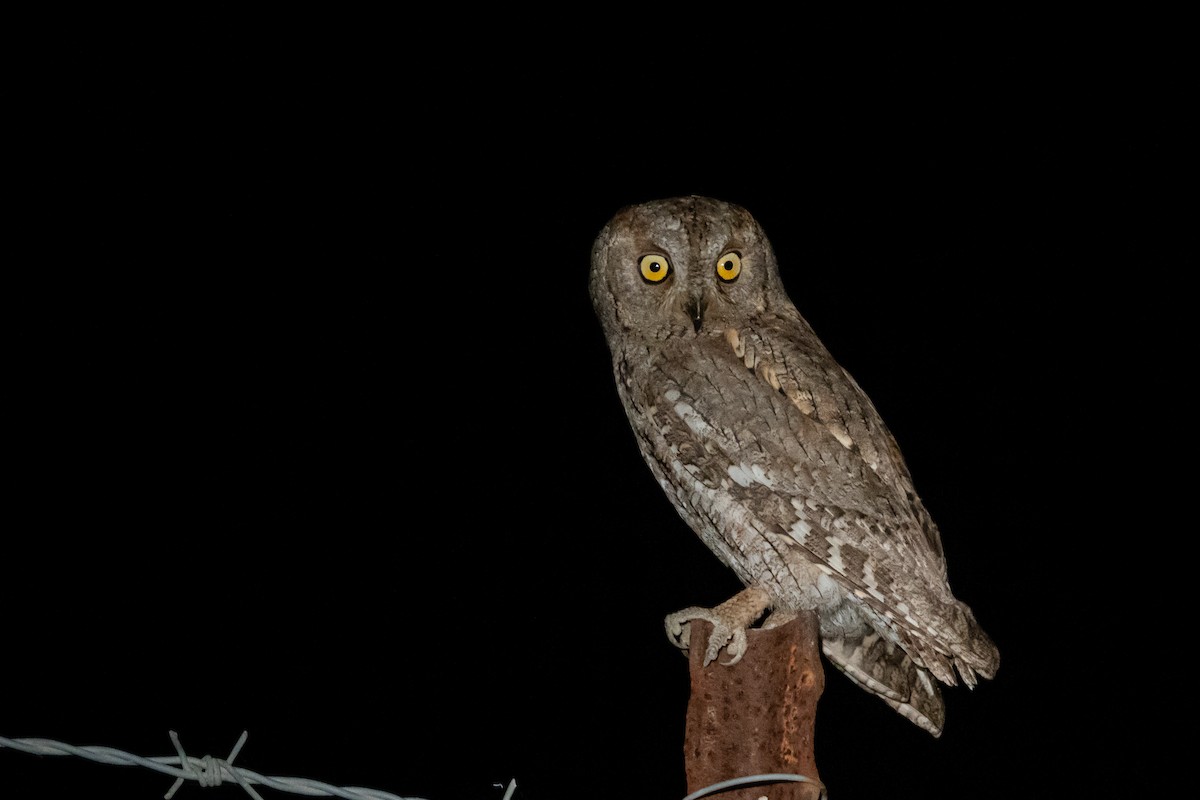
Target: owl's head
<point x="682" y="266"/>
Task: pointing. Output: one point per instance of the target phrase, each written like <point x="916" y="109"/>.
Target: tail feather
<point x="962" y="647"/>
<point x="884" y="669"/>
<point x="977" y="653"/>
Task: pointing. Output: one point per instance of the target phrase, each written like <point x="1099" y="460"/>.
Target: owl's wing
<point x="778" y="438"/>
<point x="785" y="351"/>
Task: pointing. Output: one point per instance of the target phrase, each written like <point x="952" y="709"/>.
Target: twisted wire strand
<point x="207" y="771"/>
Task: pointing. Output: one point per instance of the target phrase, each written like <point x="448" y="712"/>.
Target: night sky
<point x="322" y="443"/>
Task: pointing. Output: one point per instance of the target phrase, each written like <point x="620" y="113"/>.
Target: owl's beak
<point x="695" y="311"/>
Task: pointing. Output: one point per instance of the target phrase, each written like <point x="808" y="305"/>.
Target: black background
<point x="315" y="434"/>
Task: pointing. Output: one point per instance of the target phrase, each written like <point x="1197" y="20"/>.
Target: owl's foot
<point x="729" y="620"/>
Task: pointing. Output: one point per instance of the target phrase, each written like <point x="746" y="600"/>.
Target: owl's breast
<point x="729" y="420"/>
<point x="729" y="455"/>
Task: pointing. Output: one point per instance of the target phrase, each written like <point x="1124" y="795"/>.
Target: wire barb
<point x="210" y="769"/>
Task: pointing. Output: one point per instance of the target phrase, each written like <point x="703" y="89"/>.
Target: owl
<point x="775" y="457"/>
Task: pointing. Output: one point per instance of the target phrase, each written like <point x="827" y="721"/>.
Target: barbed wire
<point x="207" y="771"/>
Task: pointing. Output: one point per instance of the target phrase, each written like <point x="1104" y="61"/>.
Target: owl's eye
<point x="729" y="266"/>
<point x="654" y="268"/>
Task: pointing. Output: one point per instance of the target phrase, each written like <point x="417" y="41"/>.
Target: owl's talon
<point x="679" y="625"/>
<point x="736" y="647"/>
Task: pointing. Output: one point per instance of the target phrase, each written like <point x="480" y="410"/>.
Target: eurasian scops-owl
<point x="771" y="452"/>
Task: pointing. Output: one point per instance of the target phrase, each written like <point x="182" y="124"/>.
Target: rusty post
<point x="756" y="717"/>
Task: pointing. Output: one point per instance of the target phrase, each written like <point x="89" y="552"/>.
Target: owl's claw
<point x="679" y="626"/>
<point x="729" y="621"/>
<point x="736" y="644"/>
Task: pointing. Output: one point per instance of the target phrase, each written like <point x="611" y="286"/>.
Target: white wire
<point x="773" y="777"/>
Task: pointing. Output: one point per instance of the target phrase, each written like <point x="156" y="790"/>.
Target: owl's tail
<point x="976" y="652"/>
<point x="884" y="669"/>
<point x="961" y="645"/>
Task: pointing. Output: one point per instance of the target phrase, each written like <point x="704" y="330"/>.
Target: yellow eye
<point x="654" y="268"/>
<point x="729" y="266"/>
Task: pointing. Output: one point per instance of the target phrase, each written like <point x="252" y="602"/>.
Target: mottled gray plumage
<point x="772" y="453"/>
